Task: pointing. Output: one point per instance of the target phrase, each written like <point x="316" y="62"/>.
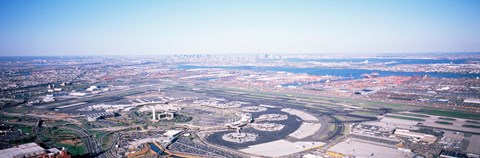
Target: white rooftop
<point x="172" y="133"/>
<point x="24" y="149"/>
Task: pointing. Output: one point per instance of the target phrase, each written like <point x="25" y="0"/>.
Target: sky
<point x="127" y="27"/>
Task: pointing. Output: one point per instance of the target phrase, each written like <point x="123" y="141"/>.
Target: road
<point x="94" y="149"/>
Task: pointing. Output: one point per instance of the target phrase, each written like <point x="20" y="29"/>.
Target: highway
<point x="94" y="149"/>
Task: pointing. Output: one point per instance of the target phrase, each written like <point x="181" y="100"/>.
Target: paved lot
<point x="280" y="148"/>
<point x="358" y="148"/>
<point x="474" y="146"/>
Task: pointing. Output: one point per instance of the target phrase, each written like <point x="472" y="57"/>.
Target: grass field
<point x="61" y="131"/>
<point x="471" y="126"/>
<point x="364" y="113"/>
<point x="405" y="118"/>
<point x="443" y="122"/>
<point x="106" y="140"/>
<point x="348" y="118"/>
<point x="447" y="118"/>
<point x="98" y="134"/>
<point x="362" y="103"/>
<point x="74" y="150"/>
<point x="320" y="102"/>
<point x="5" y="117"/>
<point x="23" y="128"/>
<point x="414" y="115"/>
<point x="332" y="127"/>
<point x="448" y="113"/>
<point x="56" y="134"/>
<point x="474" y="122"/>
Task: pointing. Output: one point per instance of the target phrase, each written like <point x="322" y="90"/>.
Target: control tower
<point x="153" y="114"/>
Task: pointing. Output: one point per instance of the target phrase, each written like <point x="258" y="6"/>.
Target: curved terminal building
<point x="240" y="137"/>
<point x="268" y="126"/>
<point x="272" y="117"/>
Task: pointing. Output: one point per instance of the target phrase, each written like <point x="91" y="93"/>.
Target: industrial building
<point x="415" y="135"/>
<point x="77" y="94"/>
<point x="452" y="154"/>
<point x="33" y="150"/>
<point x="49" y="98"/>
<point x="166" y="116"/>
<point x="103" y="115"/>
<point x="92" y="88"/>
<point x="246" y="118"/>
<point x="472" y="100"/>
<point x="172" y="134"/>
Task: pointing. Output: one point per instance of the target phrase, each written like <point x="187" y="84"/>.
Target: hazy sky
<point x="101" y="27"/>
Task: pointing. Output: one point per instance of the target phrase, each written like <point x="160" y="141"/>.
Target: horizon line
<point x="332" y="53"/>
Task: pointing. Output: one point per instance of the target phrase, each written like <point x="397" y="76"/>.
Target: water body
<point x="347" y="73"/>
<point x="386" y="60"/>
<point x="49" y="58"/>
<point x="155" y="148"/>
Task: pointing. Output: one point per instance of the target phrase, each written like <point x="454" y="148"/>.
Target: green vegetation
<point x="386" y="105"/>
<point x="446" y="118"/>
<point x="348" y="118"/>
<point x="73" y="126"/>
<point x="58" y="123"/>
<point x="56" y="134"/>
<point x="450" y="113"/>
<point x="73" y="149"/>
<point x="322" y="102"/>
<point x="404" y="118"/>
<point x="365" y="113"/>
<point x="121" y="124"/>
<point x="25" y="129"/>
<point x="415" y="115"/>
<point x="23" y="140"/>
<point x="474" y="122"/>
<point x="443" y="122"/>
<point x="332" y="127"/>
<point x="6" y="117"/>
<point x="323" y="99"/>
<point x="471" y="126"/>
<point x="179" y="118"/>
<point x="106" y="140"/>
<point x="61" y="131"/>
<point x="103" y="137"/>
<point x="98" y="134"/>
<point x="362" y="103"/>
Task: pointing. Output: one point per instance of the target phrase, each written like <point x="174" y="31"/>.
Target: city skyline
<point x="49" y="28"/>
